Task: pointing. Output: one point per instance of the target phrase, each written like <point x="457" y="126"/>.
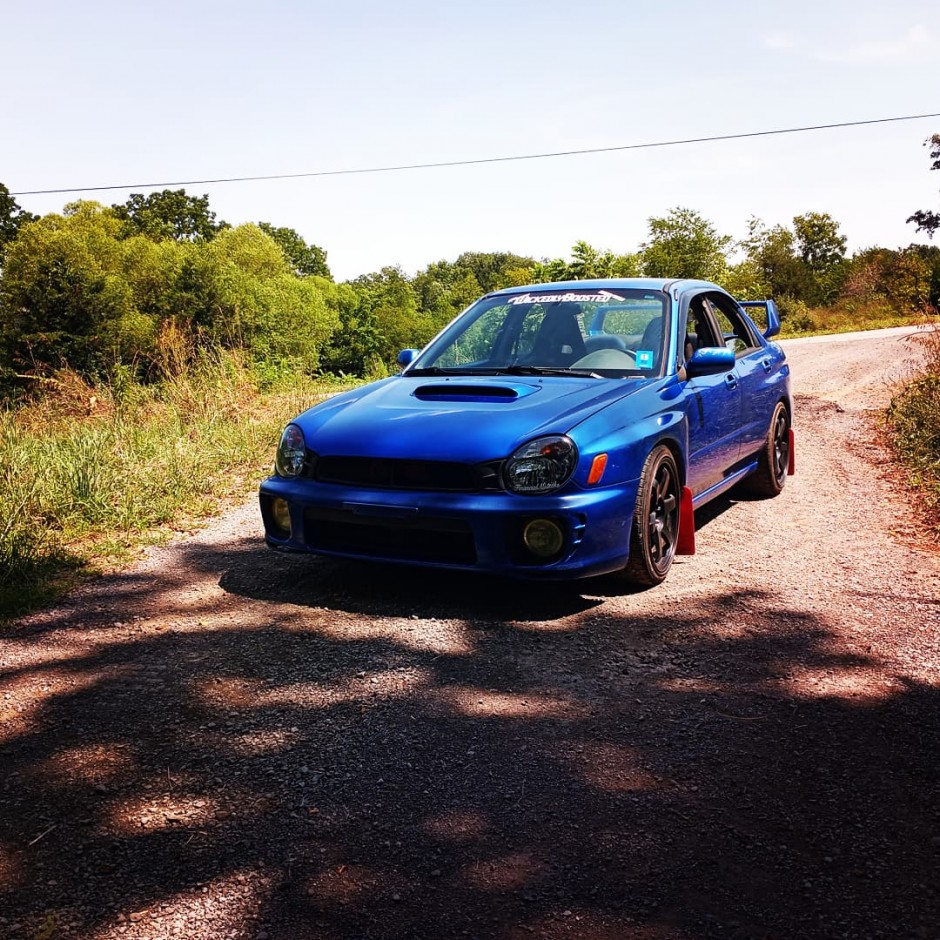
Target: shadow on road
<point x="489" y="759"/>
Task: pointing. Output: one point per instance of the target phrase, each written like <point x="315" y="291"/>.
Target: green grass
<point x="914" y="421"/>
<point x="88" y="475"/>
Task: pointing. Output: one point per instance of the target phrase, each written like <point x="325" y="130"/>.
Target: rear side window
<point x="734" y="329"/>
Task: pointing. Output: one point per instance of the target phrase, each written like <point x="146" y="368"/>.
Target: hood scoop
<point x="480" y="392"/>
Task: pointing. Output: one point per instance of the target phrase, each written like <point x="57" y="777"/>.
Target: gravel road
<point x="226" y="743"/>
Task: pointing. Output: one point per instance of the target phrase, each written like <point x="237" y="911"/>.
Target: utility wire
<point x="481" y="160"/>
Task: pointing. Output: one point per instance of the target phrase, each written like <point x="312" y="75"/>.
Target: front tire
<point x="655" y="527"/>
<point x="774" y="458"/>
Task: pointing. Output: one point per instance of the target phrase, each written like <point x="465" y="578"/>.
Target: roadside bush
<point x="795" y="316"/>
<point x="76" y="292"/>
<point x="914" y="419"/>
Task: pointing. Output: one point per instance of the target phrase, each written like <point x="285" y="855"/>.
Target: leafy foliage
<point x="65" y="296"/>
<point x="305" y="260"/>
<point x="77" y="290"/>
<point x="12" y="217"/>
<point x="256" y="303"/>
<point x="170" y="213"/>
<point x="684" y="244"/>
<point x="914" y="418"/>
<point x="134" y="289"/>
<point x="587" y="262"/>
<point x="383" y="319"/>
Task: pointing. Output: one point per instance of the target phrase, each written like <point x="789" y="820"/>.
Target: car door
<point x="713" y="404"/>
<point x="756" y="368"/>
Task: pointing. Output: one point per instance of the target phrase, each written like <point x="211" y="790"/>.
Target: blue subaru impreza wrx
<point x="550" y="431"/>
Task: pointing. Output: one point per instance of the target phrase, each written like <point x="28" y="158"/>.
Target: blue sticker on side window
<point x="644" y="358"/>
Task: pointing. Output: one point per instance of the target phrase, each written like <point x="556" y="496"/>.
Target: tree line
<point x="140" y="287"/>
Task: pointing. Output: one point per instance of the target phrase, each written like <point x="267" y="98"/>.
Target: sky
<point x="122" y="93"/>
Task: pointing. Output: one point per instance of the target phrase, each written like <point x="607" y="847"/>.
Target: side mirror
<point x="713" y="360"/>
<point x="406" y="357"/>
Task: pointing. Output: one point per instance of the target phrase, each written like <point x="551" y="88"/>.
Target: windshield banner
<point x="597" y="296"/>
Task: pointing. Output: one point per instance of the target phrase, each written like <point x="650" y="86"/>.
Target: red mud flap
<point x="685" y="543"/>
<point x="791" y="466"/>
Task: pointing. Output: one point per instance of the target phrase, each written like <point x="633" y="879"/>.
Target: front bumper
<point x="467" y="531"/>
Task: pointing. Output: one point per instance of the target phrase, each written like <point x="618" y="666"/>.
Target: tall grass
<point x="914" y="420"/>
<point x="88" y="473"/>
<point x="801" y="320"/>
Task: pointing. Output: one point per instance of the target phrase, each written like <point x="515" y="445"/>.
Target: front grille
<point x="448" y="541"/>
<point x="394" y="474"/>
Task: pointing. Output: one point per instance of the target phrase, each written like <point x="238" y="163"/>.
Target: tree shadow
<point x="460" y="766"/>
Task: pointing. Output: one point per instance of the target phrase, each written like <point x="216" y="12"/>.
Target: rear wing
<point x="772" y="315"/>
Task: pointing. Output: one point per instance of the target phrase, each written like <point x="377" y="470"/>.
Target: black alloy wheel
<point x="781" y="445"/>
<point x="773" y="461"/>
<point x="655" y="529"/>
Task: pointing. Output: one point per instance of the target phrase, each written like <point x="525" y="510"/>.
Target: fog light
<point x="280" y="513"/>
<point x="543" y="537"/>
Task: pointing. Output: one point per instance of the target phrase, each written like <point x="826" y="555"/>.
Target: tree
<point x="65" y="295"/>
<point x="169" y="213"/>
<point x="927" y="220"/>
<point x="255" y="302"/>
<point x="548" y="270"/>
<point x="684" y="244"/>
<point x="818" y="240"/>
<point x="782" y="273"/>
<point x="822" y="249"/>
<point x="587" y="262"/>
<point x="305" y="260"/>
<point x="745" y="280"/>
<point x="494" y="269"/>
<point x="12" y="217"/>
<point x="78" y="291"/>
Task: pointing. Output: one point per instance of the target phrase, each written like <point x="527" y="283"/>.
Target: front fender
<point x="627" y="445"/>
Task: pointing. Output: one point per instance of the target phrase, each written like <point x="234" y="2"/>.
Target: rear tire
<point x="655" y="527"/>
<point x="774" y="459"/>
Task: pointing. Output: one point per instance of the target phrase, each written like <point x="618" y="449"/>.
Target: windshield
<point x="604" y="333"/>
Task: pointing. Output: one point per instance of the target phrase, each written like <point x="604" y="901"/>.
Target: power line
<point x="481" y="160"/>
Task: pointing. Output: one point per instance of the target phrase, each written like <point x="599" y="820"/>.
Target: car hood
<point x="456" y="418"/>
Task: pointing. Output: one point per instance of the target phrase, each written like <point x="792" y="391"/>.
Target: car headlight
<point x="291" y="452"/>
<point x="542" y="465"/>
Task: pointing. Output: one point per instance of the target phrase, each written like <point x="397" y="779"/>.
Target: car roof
<point x="635" y="283"/>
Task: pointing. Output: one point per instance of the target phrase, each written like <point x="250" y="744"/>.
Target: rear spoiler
<point x="773" y="316"/>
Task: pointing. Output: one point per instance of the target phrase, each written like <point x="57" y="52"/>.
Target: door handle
<point x="731" y="380"/>
<point x="766" y="363"/>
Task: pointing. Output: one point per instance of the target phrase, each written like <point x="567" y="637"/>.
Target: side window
<point x="735" y="332"/>
<point x="700" y="331"/>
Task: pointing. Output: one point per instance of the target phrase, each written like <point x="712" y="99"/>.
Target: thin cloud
<point x="779" y="40"/>
<point x="918" y="44"/>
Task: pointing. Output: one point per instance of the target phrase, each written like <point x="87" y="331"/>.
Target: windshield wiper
<point x="437" y="370"/>
<point x="506" y="370"/>
<point x="548" y="370"/>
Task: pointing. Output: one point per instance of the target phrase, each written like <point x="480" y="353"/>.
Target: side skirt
<point x="724" y="484"/>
